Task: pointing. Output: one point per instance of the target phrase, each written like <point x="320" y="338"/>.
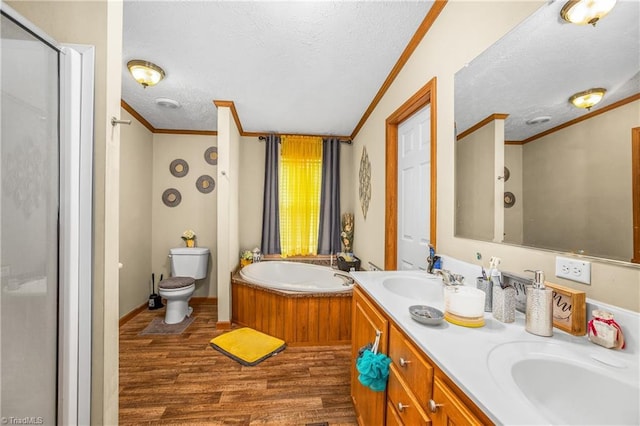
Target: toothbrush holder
<point x="487" y="287"/>
<point x="504" y="304"/>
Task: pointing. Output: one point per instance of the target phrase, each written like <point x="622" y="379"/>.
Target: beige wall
<point x="349" y="200"/>
<point x="577" y="186"/>
<point x="196" y="211"/>
<point x="513" y="215"/>
<point x="454" y="40"/>
<point x="97" y="23"/>
<point x="251" y="184"/>
<point x="136" y="169"/>
<point x="475" y="155"/>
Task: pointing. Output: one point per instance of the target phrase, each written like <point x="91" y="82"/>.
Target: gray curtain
<point x="329" y="229"/>
<point x="271" y="213"/>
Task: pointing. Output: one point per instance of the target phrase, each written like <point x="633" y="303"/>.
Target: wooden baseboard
<point x="223" y="325"/>
<point x="125" y="318"/>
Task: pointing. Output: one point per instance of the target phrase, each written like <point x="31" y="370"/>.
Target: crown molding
<point x="422" y="30"/>
<point x="489" y="119"/>
<point x="587" y="116"/>
<point x="152" y="129"/>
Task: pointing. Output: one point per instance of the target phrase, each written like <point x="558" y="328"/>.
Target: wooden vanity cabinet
<point x="366" y="320"/>
<point x="411" y="380"/>
<point x="449" y="408"/>
<point x="412" y="365"/>
<point x="418" y="393"/>
<point x="402" y="402"/>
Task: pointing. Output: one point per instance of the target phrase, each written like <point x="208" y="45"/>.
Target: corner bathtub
<point x="300" y="303"/>
<point x="296" y="277"/>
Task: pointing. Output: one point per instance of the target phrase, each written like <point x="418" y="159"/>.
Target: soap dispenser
<point x="539" y="311"/>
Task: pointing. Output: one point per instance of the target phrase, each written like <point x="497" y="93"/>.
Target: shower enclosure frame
<point x="75" y="251"/>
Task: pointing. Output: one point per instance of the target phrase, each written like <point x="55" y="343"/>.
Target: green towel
<point x="373" y="369"/>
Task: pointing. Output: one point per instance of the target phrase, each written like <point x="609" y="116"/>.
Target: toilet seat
<point x="170" y="291"/>
<point x="177" y="291"/>
<point x="176" y="283"/>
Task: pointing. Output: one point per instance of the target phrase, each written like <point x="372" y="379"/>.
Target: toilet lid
<point x="174" y="283"/>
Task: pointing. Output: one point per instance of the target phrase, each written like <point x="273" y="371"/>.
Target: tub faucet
<point x="449" y="278"/>
<point x="347" y="279"/>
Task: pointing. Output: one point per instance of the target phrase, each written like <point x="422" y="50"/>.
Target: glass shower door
<point x="29" y="206"/>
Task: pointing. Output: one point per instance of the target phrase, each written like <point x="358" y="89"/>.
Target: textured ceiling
<point x="535" y="68"/>
<point x="289" y="67"/>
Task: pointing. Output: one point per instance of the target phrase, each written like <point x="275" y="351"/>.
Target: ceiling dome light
<point x="538" y="120"/>
<point x="145" y="73"/>
<point x="583" y="12"/>
<point x="168" y="103"/>
<point x="588" y="98"/>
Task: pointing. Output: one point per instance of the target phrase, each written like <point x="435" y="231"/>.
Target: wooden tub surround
<point x="297" y="318"/>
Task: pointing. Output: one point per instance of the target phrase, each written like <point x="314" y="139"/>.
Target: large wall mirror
<point x="531" y="168"/>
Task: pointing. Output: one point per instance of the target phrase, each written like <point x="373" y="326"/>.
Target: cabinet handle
<point x="404" y="362"/>
<point x="402" y="406"/>
<point x="433" y="407"/>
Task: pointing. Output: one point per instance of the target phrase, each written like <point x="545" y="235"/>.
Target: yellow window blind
<point x="300" y="183"/>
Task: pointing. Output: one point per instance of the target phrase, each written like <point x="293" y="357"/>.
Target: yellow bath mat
<point x="247" y="346"/>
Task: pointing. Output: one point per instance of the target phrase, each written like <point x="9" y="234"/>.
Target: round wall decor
<point x="211" y="155"/>
<point x="205" y="184"/>
<point x="509" y="199"/>
<point x="507" y="174"/>
<point x="179" y="167"/>
<point x="171" y="197"/>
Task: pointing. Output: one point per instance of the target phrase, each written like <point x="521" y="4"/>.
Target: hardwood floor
<point x="180" y="379"/>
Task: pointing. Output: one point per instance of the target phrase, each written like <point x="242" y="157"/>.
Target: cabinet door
<point x="402" y="399"/>
<point x="412" y="366"/>
<point x="393" y="419"/>
<point x="450" y="410"/>
<point x="366" y="320"/>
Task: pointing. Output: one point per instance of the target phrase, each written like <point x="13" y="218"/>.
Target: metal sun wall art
<point x="365" y="182"/>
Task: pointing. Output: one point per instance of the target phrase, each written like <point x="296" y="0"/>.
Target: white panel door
<point x="414" y="190"/>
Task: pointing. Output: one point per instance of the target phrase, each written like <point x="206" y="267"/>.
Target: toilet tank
<point x="189" y="262"/>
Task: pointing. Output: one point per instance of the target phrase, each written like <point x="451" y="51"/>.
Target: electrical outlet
<point x="573" y="269"/>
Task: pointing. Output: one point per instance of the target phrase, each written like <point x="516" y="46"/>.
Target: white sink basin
<point x="419" y="289"/>
<point x="567" y="387"/>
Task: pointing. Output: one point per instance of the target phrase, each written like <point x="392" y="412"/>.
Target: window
<point x="299" y="190"/>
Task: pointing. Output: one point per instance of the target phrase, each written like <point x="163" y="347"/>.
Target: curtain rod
<point x="347" y="141"/>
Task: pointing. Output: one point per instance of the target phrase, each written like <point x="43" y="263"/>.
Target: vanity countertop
<point x="463" y="353"/>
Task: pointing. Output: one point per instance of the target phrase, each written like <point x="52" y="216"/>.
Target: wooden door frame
<point x="635" y="189"/>
<point x="426" y="95"/>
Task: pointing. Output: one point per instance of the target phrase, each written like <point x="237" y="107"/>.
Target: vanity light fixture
<point x="145" y="73"/>
<point x="583" y="12"/>
<point x="588" y="98"/>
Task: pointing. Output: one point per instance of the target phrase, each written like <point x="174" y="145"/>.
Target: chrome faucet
<point x="449" y="278"/>
<point x="347" y="279"/>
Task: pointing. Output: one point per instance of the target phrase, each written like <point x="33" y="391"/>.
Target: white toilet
<point x="187" y="265"/>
